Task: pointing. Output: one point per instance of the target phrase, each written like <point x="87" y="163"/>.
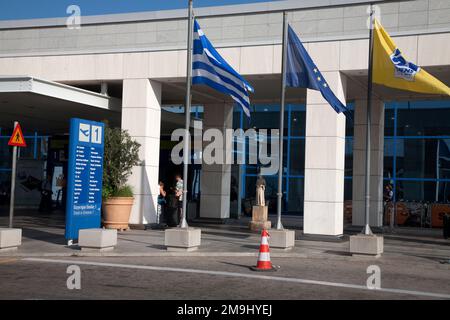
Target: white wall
<point x="141" y="117"/>
<point x="349" y="55"/>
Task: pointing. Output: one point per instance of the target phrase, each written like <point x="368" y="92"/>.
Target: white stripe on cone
<point x="264" y="256"/>
<point x="264" y="240"/>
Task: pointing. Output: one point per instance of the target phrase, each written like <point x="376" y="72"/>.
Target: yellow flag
<point x="391" y="69"/>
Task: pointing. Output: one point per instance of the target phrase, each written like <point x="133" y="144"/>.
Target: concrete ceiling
<point x="46" y="107"/>
<point x="47" y="115"/>
<point x="357" y="87"/>
<point x="51" y="114"/>
<point x="267" y="90"/>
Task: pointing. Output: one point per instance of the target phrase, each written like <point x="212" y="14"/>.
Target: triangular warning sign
<point x="17" y="138"/>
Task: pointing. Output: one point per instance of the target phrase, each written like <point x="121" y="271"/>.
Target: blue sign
<point x="85" y="173"/>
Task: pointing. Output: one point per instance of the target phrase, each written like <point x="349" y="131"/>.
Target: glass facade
<point x="267" y="117"/>
<point x="416" y="152"/>
<point x="35" y="152"/>
<point x="417" y="156"/>
<point x="36" y="149"/>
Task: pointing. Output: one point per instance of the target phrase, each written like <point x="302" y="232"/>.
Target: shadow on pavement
<point x="157" y="246"/>
<point x="227" y="234"/>
<point x="235" y="264"/>
<point x="41" y="235"/>
<point x="416" y="240"/>
<point x="251" y="246"/>
<point x="338" y="253"/>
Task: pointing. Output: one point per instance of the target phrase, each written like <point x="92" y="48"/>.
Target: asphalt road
<point x="217" y="278"/>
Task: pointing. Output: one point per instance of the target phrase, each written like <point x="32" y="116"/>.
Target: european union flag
<point x="301" y="72"/>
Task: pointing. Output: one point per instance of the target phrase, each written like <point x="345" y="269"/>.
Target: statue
<point x="260" y="211"/>
<point x="260" y="190"/>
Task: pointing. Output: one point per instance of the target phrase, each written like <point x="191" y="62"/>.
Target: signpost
<point x="85" y="171"/>
<point x="17" y="140"/>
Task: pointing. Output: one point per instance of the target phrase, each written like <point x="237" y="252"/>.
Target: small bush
<point x="125" y="191"/>
<point x="121" y="154"/>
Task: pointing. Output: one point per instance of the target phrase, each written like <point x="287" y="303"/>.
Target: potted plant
<point x="120" y="156"/>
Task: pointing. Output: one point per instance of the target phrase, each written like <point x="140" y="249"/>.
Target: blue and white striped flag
<point x="209" y="68"/>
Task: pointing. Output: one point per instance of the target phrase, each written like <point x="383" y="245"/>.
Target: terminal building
<point x="130" y="70"/>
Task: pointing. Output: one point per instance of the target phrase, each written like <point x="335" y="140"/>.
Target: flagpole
<point x="367" y="230"/>
<point x="281" y="134"/>
<point x="187" y="114"/>
<point x="437" y="170"/>
<point x="13" y="182"/>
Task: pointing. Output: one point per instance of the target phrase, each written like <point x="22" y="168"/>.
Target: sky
<point x="32" y="9"/>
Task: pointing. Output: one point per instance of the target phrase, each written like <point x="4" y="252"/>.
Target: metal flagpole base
<point x="183" y="224"/>
<point x="279" y="225"/>
<point x="366" y="230"/>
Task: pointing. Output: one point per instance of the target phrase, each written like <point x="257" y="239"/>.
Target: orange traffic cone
<point x="264" y="263"/>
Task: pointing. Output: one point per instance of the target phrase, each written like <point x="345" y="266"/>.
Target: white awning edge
<point x="58" y="91"/>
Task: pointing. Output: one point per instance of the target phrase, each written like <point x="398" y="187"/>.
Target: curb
<point x="151" y="254"/>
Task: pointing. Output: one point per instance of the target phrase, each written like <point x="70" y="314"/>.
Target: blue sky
<point x="31" y="9"/>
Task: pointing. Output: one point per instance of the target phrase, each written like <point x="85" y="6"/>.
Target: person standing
<point x="388" y="195"/>
<point x="46" y="195"/>
<point x="179" y="194"/>
<point x="161" y="201"/>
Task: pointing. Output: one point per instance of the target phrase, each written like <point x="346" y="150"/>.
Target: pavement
<point x="43" y="236"/>
<point x="414" y="265"/>
<point x="222" y="278"/>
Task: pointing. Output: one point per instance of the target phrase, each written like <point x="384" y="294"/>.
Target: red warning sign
<point x="17" y="138"/>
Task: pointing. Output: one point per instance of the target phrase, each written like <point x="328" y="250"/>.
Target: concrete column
<point x="376" y="163"/>
<point x="216" y="178"/>
<point x="141" y="116"/>
<point x="324" y="161"/>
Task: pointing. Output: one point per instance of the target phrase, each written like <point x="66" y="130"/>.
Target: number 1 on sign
<point x="96" y="136"/>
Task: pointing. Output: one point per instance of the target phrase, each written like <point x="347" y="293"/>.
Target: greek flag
<point x="209" y="68"/>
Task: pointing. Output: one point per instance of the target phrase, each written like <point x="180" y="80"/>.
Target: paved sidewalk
<point x="44" y="237"/>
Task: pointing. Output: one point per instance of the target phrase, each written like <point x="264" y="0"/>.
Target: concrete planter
<point x="10" y="239"/>
<point x="182" y="239"/>
<point x="97" y="239"/>
<point x="116" y="212"/>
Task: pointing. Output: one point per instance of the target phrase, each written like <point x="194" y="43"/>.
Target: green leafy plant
<point x="121" y="154"/>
